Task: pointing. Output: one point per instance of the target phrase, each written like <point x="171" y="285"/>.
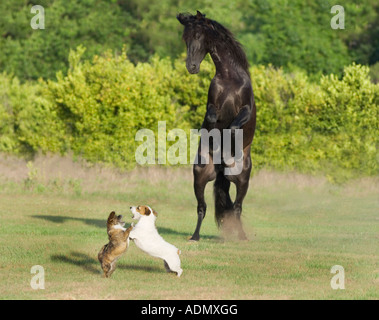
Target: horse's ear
<point x="199" y="15"/>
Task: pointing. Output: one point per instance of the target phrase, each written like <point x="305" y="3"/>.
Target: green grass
<point x="297" y="229"/>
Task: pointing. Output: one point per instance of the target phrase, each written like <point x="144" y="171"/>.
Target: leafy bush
<point x="28" y="121"/>
<point x="374" y="72"/>
<point x="104" y="102"/>
<point x="330" y="127"/>
<point x="95" y="110"/>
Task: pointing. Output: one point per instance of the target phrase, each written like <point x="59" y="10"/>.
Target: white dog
<point x="147" y="238"/>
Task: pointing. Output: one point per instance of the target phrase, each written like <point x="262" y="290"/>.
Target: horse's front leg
<point x="211" y="115"/>
<point x="203" y="173"/>
<point x="243" y="117"/>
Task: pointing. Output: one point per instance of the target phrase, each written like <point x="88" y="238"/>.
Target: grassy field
<point x="53" y="213"/>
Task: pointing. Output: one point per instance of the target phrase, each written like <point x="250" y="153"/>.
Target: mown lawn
<point x="298" y="229"/>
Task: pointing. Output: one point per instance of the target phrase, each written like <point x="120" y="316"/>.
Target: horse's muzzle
<point x="193" y="68"/>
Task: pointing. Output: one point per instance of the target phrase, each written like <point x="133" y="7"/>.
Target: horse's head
<point x="195" y="28"/>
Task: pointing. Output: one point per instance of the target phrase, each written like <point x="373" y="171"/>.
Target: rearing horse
<point x="230" y="105"/>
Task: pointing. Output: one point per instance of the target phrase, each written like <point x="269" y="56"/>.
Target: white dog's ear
<point x="146" y="211"/>
<point x="152" y="211"/>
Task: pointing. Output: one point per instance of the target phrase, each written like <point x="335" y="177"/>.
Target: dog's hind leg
<point x="173" y="264"/>
<point x="106" y="269"/>
<point x="112" y="269"/>
<point x="166" y="266"/>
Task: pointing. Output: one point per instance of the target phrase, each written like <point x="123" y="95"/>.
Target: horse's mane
<point x="216" y="35"/>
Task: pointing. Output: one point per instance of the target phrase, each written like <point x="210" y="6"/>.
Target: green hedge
<point x="28" y="121"/>
<point x="330" y="126"/>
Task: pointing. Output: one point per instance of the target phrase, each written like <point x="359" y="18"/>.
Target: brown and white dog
<point x="118" y="243"/>
<point x="147" y="238"/>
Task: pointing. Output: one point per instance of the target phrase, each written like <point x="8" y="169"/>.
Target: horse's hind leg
<point x="223" y="203"/>
<point x="242" y="184"/>
<point x="199" y="187"/>
<point x="203" y="173"/>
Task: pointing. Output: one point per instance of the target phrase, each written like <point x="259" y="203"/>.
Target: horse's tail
<point x="223" y="203"/>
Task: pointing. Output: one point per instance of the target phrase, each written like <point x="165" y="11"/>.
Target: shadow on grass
<point x="102" y="223"/>
<point x="92" y="265"/>
<point x="79" y="259"/>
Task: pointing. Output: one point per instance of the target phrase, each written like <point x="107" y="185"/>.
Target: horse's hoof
<point x="194" y="239"/>
<point x="211" y="118"/>
<point x="242" y="237"/>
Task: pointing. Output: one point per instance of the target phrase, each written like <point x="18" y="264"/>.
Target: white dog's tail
<point x="179" y="252"/>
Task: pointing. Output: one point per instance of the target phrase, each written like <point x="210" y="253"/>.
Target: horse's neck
<point x="226" y="67"/>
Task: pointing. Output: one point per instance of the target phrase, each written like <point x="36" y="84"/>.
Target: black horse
<point x="231" y="106"/>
